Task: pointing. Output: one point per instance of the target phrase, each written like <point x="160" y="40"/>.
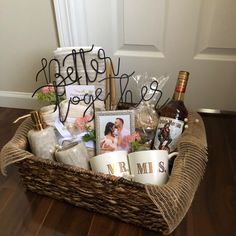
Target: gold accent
<point x="113" y="90"/>
<point x="20" y="118"/>
<point x="183" y="74"/>
<point x="183" y="78"/>
<point x="181" y="85"/>
<point x="37" y="120"/>
<point x="110" y="103"/>
<point x="178" y="96"/>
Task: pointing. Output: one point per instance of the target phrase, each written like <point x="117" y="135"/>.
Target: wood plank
<point x="65" y="219"/>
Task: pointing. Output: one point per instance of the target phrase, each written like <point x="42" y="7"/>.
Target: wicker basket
<point x="149" y="206"/>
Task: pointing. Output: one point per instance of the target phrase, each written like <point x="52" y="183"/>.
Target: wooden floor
<point x="213" y="211"/>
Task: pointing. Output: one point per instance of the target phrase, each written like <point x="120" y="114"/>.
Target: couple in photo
<point x="114" y="136"/>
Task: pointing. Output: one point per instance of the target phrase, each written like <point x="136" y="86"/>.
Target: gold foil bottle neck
<point x="183" y="75"/>
<point x="37" y="120"/>
<point x="182" y="82"/>
<point x="181" y="85"/>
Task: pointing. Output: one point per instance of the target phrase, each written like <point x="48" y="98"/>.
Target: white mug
<point x="74" y="153"/>
<point x="114" y="163"/>
<point x="150" y="167"/>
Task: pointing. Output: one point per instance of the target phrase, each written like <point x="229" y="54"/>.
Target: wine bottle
<point x="172" y="115"/>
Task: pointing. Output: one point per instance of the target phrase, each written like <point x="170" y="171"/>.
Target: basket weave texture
<point x="158" y="208"/>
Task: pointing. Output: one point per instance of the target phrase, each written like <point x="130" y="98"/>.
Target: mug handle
<point x="172" y="154"/>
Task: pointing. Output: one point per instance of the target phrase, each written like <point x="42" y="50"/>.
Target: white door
<point x="162" y="37"/>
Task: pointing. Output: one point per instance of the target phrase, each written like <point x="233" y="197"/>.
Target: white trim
<point x="18" y="100"/>
<point x="216" y="111"/>
<point x="71" y="33"/>
<point x="23" y="100"/>
<point x="215" y="57"/>
<point x="61" y="11"/>
<point x="147" y="54"/>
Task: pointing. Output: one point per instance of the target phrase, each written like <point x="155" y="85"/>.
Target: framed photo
<point x="113" y="129"/>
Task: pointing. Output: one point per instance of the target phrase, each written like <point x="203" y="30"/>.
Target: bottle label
<point x="168" y="132"/>
<point x="180" y="89"/>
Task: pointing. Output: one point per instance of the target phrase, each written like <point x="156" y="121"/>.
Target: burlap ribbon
<point x="174" y="198"/>
<point x="15" y="150"/>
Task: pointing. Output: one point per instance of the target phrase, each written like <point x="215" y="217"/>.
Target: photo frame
<point x="113" y="129"/>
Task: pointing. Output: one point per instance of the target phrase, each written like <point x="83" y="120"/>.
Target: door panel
<point x="217" y="31"/>
<point x="162" y="37"/>
<point x="133" y="36"/>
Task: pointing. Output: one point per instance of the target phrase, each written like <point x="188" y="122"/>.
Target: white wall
<point x="27" y="34"/>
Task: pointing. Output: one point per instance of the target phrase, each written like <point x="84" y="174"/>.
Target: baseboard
<point x="14" y="99"/>
<point x="216" y="111"/>
<point x="22" y="100"/>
